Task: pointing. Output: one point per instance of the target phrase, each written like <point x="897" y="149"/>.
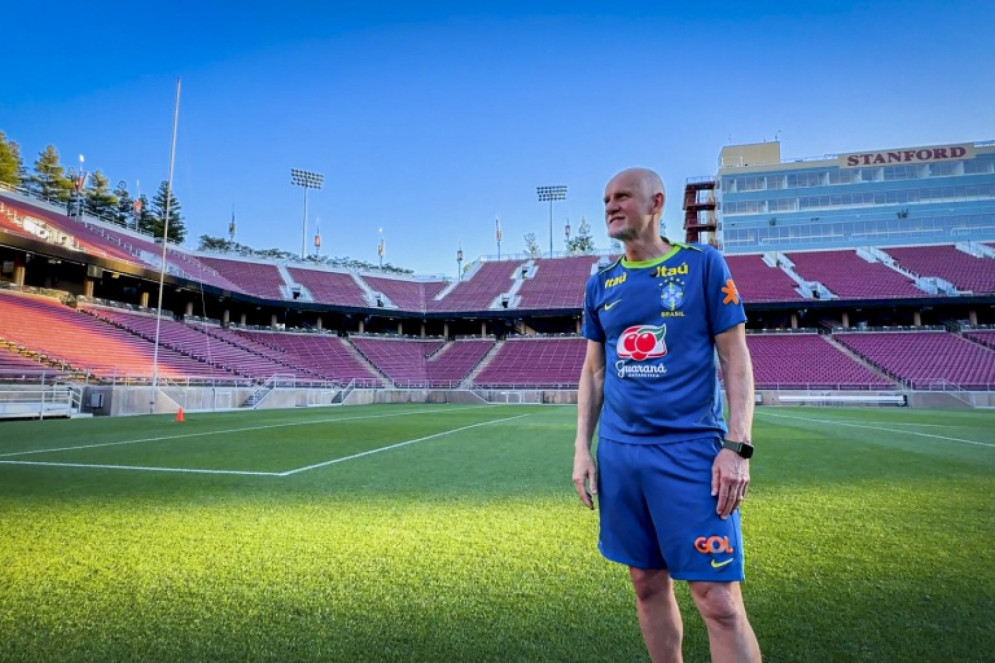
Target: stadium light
<point x="549" y="194"/>
<point x="307" y="180"/>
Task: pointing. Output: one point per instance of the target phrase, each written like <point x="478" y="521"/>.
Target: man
<point x="670" y="474"/>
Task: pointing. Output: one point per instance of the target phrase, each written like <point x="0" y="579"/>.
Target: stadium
<point x="346" y="464"/>
<point x="866" y="283"/>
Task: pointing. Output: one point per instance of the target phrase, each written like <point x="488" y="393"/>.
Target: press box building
<point x="757" y="202"/>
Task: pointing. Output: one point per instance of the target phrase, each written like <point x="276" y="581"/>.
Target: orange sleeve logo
<point x="731" y="294"/>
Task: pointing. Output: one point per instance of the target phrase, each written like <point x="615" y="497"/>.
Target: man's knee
<point x="719" y="602"/>
<point x="649" y="583"/>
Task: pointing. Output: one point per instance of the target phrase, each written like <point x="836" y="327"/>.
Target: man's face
<point x="628" y="207"/>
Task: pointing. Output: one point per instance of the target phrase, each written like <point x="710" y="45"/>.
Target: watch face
<point x="746" y="450"/>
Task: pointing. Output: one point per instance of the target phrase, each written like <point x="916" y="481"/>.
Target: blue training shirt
<point x="658" y="320"/>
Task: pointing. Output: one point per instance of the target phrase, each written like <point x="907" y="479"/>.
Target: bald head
<point x="647" y="180"/>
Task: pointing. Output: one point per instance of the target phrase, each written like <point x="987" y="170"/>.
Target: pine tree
<point x="532" y="246"/>
<point x="177" y="231"/>
<point x="146" y="220"/>
<point x="49" y="179"/>
<point x="10" y="161"/>
<point x="583" y="243"/>
<point x="124" y="210"/>
<point x="99" y="201"/>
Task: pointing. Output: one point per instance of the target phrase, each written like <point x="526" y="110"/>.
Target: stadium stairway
<point x="372" y="296"/>
<point x="290" y="288"/>
<point x="481" y="365"/>
<point x="363" y="359"/>
<point x="873" y="368"/>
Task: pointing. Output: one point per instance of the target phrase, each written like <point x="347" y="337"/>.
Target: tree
<point x="532" y="246"/>
<point x="49" y="179"/>
<point x="177" y="231"/>
<point x="583" y="243"/>
<point x="145" y="220"/>
<point x="615" y="247"/>
<point x="124" y="209"/>
<point x="10" y="161"/>
<point x="99" y="201"/>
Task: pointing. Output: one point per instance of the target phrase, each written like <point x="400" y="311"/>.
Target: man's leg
<point x="730" y="635"/>
<point x="659" y="616"/>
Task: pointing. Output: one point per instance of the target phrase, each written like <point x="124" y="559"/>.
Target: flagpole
<point x="165" y="246"/>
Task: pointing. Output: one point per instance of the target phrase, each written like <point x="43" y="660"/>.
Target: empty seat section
<point x="479" y="291"/>
<point x="807" y="361"/>
<point x="455" y="362"/>
<point x="81" y="342"/>
<point x="557" y="283"/>
<point x="849" y="276"/>
<point x="926" y="359"/>
<point x="546" y="362"/>
<point x="758" y="282"/>
<point x="13" y="363"/>
<point x="985" y="337"/>
<point x="194" y="342"/>
<point x="401" y="360"/>
<point x="334" y="288"/>
<point x="255" y="278"/>
<point x="965" y="271"/>
<point x="330" y="357"/>
<point x="405" y="294"/>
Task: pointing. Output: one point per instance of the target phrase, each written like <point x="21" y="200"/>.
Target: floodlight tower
<point x="307" y="180"/>
<point x="551" y="193"/>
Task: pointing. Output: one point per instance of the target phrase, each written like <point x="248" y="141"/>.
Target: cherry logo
<point x="642" y="342"/>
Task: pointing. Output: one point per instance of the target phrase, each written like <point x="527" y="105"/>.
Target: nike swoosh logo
<point x="609" y="305"/>
<point x="719" y="565"/>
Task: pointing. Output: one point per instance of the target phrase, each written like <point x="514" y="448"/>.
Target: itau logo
<point x="642" y="342"/>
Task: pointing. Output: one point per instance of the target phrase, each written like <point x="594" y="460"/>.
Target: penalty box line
<point x="186" y="470"/>
<point x="835" y="422"/>
<point x="227" y="431"/>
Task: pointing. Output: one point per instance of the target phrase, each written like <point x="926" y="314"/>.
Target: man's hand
<point x="730" y="478"/>
<point x="585" y="477"/>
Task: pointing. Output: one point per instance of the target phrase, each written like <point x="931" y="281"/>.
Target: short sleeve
<point x="725" y="306"/>
<point x="591" y="326"/>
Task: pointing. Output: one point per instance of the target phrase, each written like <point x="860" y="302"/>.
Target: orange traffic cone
<point x="179" y="414"/>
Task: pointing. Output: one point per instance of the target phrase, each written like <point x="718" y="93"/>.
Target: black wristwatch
<point x="744" y="449"/>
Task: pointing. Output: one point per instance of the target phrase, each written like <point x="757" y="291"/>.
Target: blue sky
<point x="430" y="119"/>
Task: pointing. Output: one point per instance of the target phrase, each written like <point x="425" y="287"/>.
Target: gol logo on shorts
<point x="711" y="545"/>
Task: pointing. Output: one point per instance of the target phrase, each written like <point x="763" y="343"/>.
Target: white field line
<point x="138" y="468"/>
<point x="234" y="430"/>
<point x="835" y="422"/>
<point x="181" y="470"/>
<point x="396" y="446"/>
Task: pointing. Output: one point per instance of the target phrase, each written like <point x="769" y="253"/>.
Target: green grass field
<point x="277" y="536"/>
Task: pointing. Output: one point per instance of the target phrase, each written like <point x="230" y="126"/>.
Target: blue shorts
<point x="657" y="510"/>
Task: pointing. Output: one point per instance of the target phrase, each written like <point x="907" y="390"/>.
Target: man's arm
<point x="590" y="396"/>
<point x="731" y="472"/>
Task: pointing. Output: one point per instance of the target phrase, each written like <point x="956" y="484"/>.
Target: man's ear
<point x="658" y="199"/>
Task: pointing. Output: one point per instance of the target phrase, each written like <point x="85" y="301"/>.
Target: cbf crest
<point x="672" y="298"/>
